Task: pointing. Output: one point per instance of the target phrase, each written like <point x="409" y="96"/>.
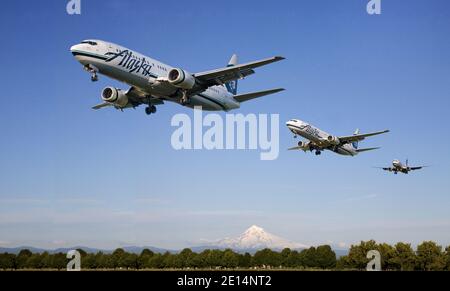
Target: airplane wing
<point x="359" y="137"/>
<point x="416" y="168"/>
<point x="136" y="97"/>
<point x="100" y="106"/>
<point x="249" y="96"/>
<point x="224" y="75"/>
<point x="386" y="169"/>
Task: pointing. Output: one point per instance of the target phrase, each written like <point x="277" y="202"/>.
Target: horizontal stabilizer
<point x="249" y="96"/>
<point x="366" y="149"/>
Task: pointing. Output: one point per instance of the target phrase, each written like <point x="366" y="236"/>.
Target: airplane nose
<point x="74" y="48"/>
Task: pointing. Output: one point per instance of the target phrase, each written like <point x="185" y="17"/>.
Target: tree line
<point x="428" y="256"/>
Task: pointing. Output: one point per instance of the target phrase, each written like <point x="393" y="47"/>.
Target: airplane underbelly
<point x="207" y="104"/>
<point x="343" y="151"/>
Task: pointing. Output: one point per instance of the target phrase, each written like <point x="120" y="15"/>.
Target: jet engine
<point x="115" y="96"/>
<point x="181" y="79"/>
<point x="333" y="140"/>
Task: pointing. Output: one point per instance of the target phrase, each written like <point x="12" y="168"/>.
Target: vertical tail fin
<point x="232" y="85"/>
<point x="355" y="144"/>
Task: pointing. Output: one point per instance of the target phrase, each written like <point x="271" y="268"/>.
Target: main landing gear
<point x="318" y="153"/>
<point x="184" y="100"/>
<point x="150" y="109"/>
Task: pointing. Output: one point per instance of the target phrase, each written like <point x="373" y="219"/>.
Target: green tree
<point x="82" y="252"/>
<point x="325" y="257"/>
<point x="171" y="262"/>
<point x="116" y="258"/>
<point x="293" y="260"/>
<point x="101" y="261"/>
<point x="308" y="258"/>
<point x="198" y="261"/>
<point x="245" y="260"/>
<point x="230" y="259"/>
<point x="157" y="261"/>
<point x="387" y="253"/>
<point x="7" y="261"/>
<point x="266" y="257"/>
<point x="344" y="263"/>
<point x="46" y="260"/>
<point x="185" y="258"/>
<point x="447" y="258"/>
<point x="143" y="258"/>
<point x="357" y="254"/>
<point x="404" y="258"/>
<point x="34" y="262"/>
<point x="430" y="257"/>
<point x="89" y="262"/>
<point x="59" y="261"/>
<point x="214" y="259"/>
<point x="128" y="261"/>
<point x="22" y="258"/>
<point x="284" y="256"/>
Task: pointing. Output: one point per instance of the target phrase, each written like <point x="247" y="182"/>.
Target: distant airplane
<point x="153" y="82"/>
<point x="397" y="166"/>
<point x="320" y="140"/>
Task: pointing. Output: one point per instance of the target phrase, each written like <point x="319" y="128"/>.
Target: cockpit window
<point x="89" y="42"/>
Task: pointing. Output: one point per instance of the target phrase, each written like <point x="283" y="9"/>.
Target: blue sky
<point x="72" y="176"/>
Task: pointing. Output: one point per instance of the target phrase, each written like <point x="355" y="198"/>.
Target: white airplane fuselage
<point x="145" y="73"/>
<point x="398" y="166"/>
<point x="318" y="136"/>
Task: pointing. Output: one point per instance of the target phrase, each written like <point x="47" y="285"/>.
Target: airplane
<point x="320" y="140"/>
<point x="152" y="82"/>
<point x="397" y="166"/>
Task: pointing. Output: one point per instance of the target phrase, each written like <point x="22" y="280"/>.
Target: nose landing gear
<point x="93" y="71"/>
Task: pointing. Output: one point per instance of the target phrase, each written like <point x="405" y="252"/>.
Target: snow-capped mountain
<point x="257" y="238"/>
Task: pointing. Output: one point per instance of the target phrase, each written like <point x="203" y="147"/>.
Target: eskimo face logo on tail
<point x="130" y="62"/>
